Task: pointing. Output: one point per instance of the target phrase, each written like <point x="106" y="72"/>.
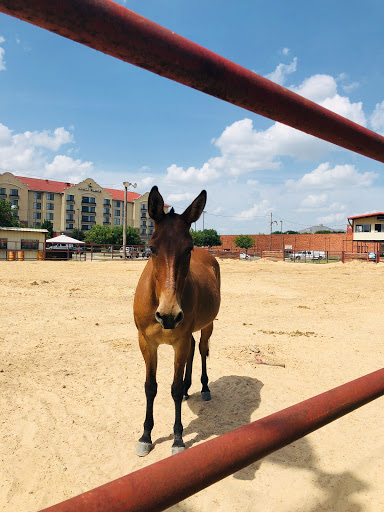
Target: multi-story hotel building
<point x="69" y="206"/>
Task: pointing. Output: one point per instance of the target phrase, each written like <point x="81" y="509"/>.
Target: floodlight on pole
<point x="126" y="185"/>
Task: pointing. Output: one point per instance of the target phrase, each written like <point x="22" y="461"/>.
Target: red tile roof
<point x="119" y="194"/>
<point x="44" y="185"/>
<point x="60" y="186"/>
<point x="366" y="215"/>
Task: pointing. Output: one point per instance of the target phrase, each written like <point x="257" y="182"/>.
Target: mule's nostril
<point x="158" y="316"/>
<point x="179" y="317"/>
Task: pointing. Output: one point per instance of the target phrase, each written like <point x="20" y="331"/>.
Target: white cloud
<point x="180" y="198"/>
<point x="2" y="53"/>
<point x="333" y="218"/>
<point x="68" y="169"/>
<point x="257" y="210"/>
<point x="285" y="51"/>
<point x="314" y="201"/>
<point x="350" y="87"/>
<point x="377" y="118"/>
<point x="30" y="154"/>
<point x="176" y="174"/>
<point x="252" y="182"/>
<point x="325" y="177"/>
<point x="279" y="76"/>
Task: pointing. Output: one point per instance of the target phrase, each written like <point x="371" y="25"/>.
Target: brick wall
<point x="334" y="242"/>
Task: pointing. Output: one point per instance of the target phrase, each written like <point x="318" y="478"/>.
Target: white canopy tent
<point x="64" y="239"/>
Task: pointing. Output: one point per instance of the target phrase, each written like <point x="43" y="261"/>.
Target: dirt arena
<point x="72" y="383"/>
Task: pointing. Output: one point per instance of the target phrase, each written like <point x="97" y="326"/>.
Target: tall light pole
<point x="126" y="185"/>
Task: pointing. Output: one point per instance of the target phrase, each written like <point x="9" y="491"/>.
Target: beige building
<point x="22" y="243"/>
<point x="367" y="229"/>
<point x="69" y="206"/>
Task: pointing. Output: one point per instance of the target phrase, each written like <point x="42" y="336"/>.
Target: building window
<point x="49" y="216"/>
<point x="3" y="192"/>
<point x="37" y="206"/>
<point x="143" y="231"/>
<point x="87" y="218"/>
<point x="116" y="213"/>
<point x="150" y="223"/>
<point x="116" y="204"/>
<point x="69" y="226"/>
<point x="70" y="197"/>
<point x="106" y="211"/>
<point x="150" y="231"/>
<point x="50" y="196"/>
<point x="36" y="215"/>
<point x="143" y="207"/>
<point x="37" y="195"/>
<point x="379" y="228"/>
<point x="85" y="227"/>
<point x="51" y="206"/>
<point x="144" y="223"/>
<point x="3" y="243"/>
<point x="116" y="222"/>
<point x="14" y="192"/>
<point x="30" y="244"/>
<point x="15" y="202"/>
<point x="87" y="199"/>
<point x="107" y="202"/>
<point x="70" y="207"/>
<point x="88" y="209"/>
<point x="69" y="216"/>
<point x="363" y="228"/>
<point x="106" y="220"/>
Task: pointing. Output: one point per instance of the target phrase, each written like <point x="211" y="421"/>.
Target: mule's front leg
<point x="150" y="357"/>
<point x="182" y="350"/>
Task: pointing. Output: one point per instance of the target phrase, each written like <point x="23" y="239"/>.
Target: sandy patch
<point x="72" y="395"/>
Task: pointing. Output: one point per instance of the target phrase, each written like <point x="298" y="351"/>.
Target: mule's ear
<point x="195" y="209"/>
<point x="155" y="204"/>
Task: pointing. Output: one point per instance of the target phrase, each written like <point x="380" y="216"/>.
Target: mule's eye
<point x="153" y="249"/>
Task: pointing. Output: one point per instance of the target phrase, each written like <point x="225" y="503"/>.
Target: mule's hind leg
<point x="150" y="357"/>
<point x="188" y="369"/>
<point x="204" y="351"/>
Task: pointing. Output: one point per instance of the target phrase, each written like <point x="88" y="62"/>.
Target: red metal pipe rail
<point x="114" y="30"/>
<point x="165" y="483"/>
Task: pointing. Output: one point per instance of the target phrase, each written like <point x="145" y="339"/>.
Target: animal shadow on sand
<point x="234" y="399"/>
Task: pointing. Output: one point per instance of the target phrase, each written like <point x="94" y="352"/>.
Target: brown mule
<point x="178" y="294"/>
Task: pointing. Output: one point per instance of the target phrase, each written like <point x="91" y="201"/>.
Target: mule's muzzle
<point x="169" y="321"/>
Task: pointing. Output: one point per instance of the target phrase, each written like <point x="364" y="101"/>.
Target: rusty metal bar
<point x="165" y="483"/>
<point x="117" y="31"/>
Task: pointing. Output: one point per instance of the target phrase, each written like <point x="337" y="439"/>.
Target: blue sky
<point x="68" y="112"/>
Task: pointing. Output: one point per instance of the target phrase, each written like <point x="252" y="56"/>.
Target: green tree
<point x="244" y="242"/>
<point x="133" y="237"/>
<point x="78" y="234"/>
<point x="8" y="215"/>
<point x="207" y="237"/>
<point x="47" y="224"/>
<point x="100" y="235"/>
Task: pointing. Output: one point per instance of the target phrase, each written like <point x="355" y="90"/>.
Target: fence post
<point x="342" y="256"/>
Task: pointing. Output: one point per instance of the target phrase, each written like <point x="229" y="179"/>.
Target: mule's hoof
<point x="206" y="396"/>
<point x="177" y="449"/>
<point x="185" y="397"/>
<point x="143" y="449"/>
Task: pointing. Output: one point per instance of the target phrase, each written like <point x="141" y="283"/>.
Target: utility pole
<point x="203" y="230"/>
<point x="126" y="185"/>
<point x="281" y="232"/>
<point x="271" y="223"/>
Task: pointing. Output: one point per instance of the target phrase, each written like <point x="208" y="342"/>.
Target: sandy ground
<point x="72" y="395"/>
